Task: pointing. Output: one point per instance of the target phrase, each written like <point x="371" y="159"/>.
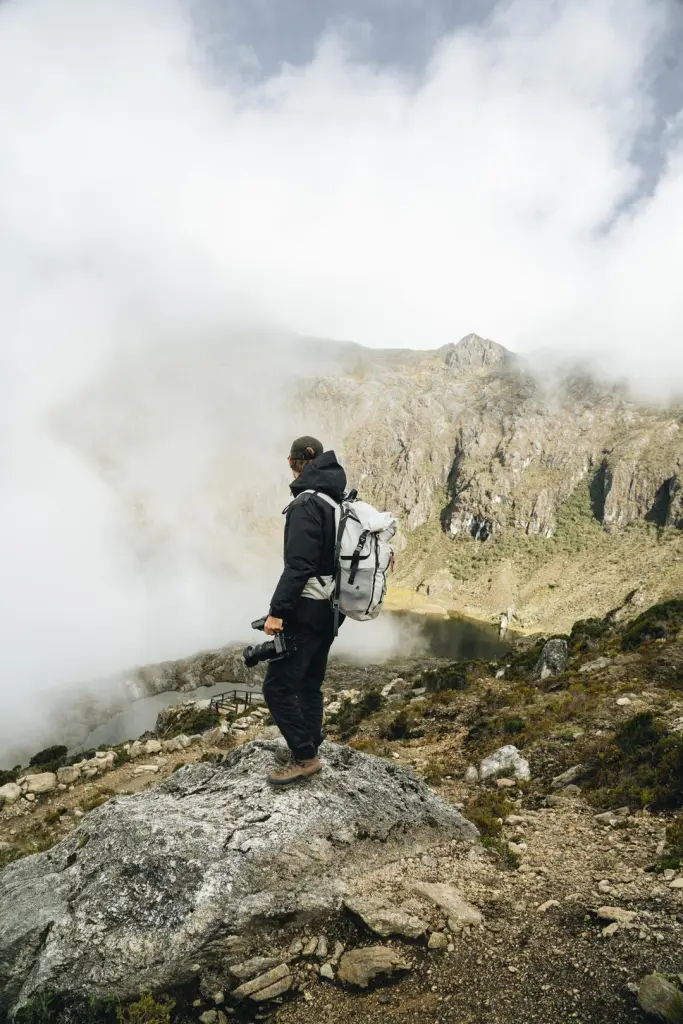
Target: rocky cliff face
<point x="469" y="433"/>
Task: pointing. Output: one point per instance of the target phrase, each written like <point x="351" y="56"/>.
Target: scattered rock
<point x="44" y="782"/>
<point x="311" y="946"/>
<point x="616" y="914"/>
<point x="471" y="775"/>
<point x="610" y="930"/>
<point x="266" y="986"/>
<point x="143" y="769"/>
<point x="568" y="777"/>
<point x="460" y="913"/>
<point x="388" y="921"/>
<point x="623" y="702"/>
<point x="438" y="942"/>
<point x="505" y="783"/>
<point x="251" y="968"/>
<point x="595" y="666"/>
<point x="544" y="907"/>
<point x="361" y="966"/>
<point x="676" y="884"/>
<point x="553" y="660"/>
<point x="10" y="792"/>
<point x="296" y="947"/>
<point x="504" y="760"/>
<point x="321" y="948"/>
<point x="327" y="971"/>
<point x="660" y="998"/>
<point x="152" y="747"/>
<point x="67" y="776"/>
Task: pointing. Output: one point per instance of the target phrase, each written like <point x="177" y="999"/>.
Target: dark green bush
<point x="447" y="677"/>
<point x="196" y="720"/>
<point x="403" y="726"/>
<point x="642" y="765"/>
<point x="350" y="715"/>
<point x="49" y="759"/>
<point x="657" y="623"/>
<point x="9" y="776"/>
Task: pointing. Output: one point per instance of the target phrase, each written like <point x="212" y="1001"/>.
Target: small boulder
<point x="553" y="660"/>
<point x="617" y="915"/>
<point x="136" y="749"/>
<point x="327" y="971"/>
<point x="266" y="986"/>
<point x="660" y="998"/>
<point x="504" y="761"/>
<point x="44" y="782"/>
<point x="471" y="775"/>
<point x="568" y="778"/>
<point x="10" y="792"/>
<point x="459" y="912"/>
<point x="361" y="966"/>
<point x="153" y="747"/>
<point x="438" y="942"/>
<point x="67" y="776"/>
<point x="386" y="921"/>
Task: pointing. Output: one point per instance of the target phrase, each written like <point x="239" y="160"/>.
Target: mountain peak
<point x="474" y="353"/>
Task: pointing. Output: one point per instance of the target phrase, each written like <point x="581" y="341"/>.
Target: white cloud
<point x="149" y="205"/>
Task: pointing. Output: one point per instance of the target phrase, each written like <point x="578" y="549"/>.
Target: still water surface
<point x="457" y="639"/>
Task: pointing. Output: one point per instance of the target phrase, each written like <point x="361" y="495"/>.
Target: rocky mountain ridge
<point x="470" y="446"/>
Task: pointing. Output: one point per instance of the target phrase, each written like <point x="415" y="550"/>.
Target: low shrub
<point x="657" y="623"/>
<point x="487" y="811"/>
<point x="146" y="1010"/>
<point x="403" y="726"/>
<point x="447" y="677"/>
<point x="642" y="765"/>
<point x="196" y="720"/>
<point x="350" y="715"/>
<point x="49" y="755"/>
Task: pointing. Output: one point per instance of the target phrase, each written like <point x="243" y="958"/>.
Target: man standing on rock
<point x="301" y="604"/>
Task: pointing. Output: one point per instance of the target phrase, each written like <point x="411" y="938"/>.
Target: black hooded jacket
<point x="309" y="541"/>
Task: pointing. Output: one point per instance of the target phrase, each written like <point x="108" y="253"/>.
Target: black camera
<point x="280" y="646"/>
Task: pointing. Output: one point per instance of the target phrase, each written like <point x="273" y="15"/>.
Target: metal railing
<point x="232" y="699"/>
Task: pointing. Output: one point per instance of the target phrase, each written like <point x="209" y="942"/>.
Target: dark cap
<point x="305" y="448"/>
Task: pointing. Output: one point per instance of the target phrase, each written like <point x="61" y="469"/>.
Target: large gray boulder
<point x="154" y="888"/>
<point x="554" y="659"/>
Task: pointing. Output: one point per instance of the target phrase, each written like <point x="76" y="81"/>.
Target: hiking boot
<point x="296" y="771"/>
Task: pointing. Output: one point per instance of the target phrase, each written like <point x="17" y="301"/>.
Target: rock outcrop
<point x="154" y="888"/>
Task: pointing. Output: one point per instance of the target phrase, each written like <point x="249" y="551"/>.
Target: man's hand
<point x="272" y="626"/>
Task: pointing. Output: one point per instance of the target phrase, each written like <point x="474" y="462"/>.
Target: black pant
<point x="292" y="688"/>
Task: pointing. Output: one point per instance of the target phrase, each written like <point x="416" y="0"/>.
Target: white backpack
<point x="362" y="558"/>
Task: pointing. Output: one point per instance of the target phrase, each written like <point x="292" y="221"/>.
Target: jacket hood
<point x="322" y="474"/>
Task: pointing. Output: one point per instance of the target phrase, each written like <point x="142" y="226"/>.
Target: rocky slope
<point x="567" y="756"/>
<point x="507" y="483"/>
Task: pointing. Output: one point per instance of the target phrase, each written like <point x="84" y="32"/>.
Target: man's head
<point x="303" y="450"/>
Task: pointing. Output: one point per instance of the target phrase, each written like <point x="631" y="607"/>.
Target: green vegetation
<point x="50" y="759"/>
<point x="403" y="726"/>
<point x="448" y="677"/>
<point x="674" y="840"/>
<point x="39" y="837"/>
<point x="147" y="1010"/>
<point x="660" y="622"/>
<point x="11" y="775"/>
<point x="642" y="765"/>
<point x="196" y="720"/>
<point x="350" y="715"/>
<point x="488" y="810"/>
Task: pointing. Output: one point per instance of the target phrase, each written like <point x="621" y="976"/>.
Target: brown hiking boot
<point x="296" y="771"/>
